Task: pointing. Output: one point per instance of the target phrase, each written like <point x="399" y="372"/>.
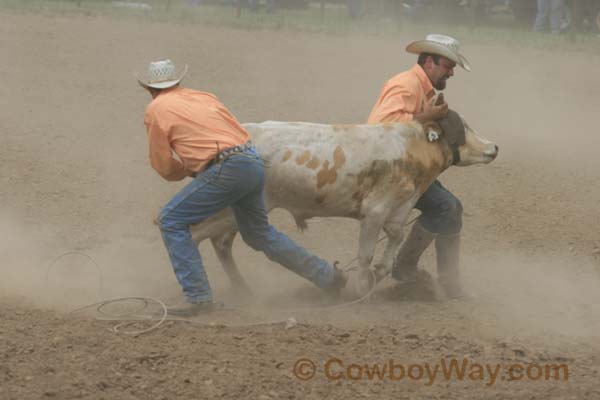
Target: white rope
<point x="133" y="317"/>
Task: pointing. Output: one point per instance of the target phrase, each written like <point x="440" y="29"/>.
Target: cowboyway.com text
<point x="451" y="369"/>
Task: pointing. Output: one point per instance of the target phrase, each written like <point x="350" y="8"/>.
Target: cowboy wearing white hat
<point x="409" y="96"/>
<point x="213" y="148"/>
<point x="442" y="45"/>
<point x="162" y="75"/>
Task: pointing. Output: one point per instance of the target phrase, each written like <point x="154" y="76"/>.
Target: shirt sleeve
<point x="160" y="152"/>
<point x="397" y="104"/>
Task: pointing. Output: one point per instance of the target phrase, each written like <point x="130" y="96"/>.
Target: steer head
<point x="463" y="144"/>
<point x="476" y="149"/>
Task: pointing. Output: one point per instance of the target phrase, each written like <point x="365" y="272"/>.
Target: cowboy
<point x="192" y="134"/>
<point x="409" y="96"/>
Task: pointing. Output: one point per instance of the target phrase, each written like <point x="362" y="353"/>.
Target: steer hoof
<point x="242" y="291"/>
<point x="360" y="283"/>
<point x="380" y="272"/>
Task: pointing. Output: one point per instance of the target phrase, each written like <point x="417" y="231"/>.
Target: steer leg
<point x="370" y="226"/>
<point x="394" y="228"/>
<point x="223" y="245"/>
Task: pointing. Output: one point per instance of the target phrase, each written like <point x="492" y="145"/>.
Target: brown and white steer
<point x="372" y="173"/>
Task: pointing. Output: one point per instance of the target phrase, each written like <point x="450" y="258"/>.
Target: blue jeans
<point x="237" y="182"/>
<point x="554" y="10"/>
<point x="441" y="211"/>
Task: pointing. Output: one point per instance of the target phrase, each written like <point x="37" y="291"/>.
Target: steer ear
<point x="432" y="130"/>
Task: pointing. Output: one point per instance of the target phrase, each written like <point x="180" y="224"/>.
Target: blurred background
<point x="555" y="16"/>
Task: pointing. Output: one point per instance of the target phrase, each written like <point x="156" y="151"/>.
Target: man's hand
<point x="439" y="99"/>
<point x="177" y="172"/>
<point x="435" y="109"/>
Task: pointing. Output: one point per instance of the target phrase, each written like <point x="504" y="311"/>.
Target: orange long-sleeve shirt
<point x="402" y="96"/>
<point x="194" y="125"/>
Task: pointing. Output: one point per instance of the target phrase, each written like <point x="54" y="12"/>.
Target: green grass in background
<point x="335" y="21"/>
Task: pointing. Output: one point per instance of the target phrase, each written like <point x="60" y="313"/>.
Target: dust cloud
<point x="78" y="199"/>
<point x="537" y="198"/>
<point x="536" y="294"/>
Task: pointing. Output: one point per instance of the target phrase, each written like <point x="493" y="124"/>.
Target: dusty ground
<point x="75" y="177"/>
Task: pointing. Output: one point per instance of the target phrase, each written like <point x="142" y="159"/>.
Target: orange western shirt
<point x="194" y="125"/>
<point x="402" y="96"/>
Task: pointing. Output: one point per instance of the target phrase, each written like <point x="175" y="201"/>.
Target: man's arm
<point x="394" y="105"/>
<point x="175" y="172"/>
<point x="161" y="155"/>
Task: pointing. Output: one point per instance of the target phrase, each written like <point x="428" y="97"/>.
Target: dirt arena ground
<point x="75" y="177"/>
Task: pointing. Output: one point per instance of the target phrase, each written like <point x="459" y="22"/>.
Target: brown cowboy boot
<point x="447" y="248"/>
<point x="405" y="263"/>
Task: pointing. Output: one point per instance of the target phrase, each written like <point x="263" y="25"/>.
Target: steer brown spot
<point x="339" y="158"/>
<point x="302" y="158"/>
<point x="320" y="198"/>
<point x="328" y="175"/>
<point x="412" y="172"/>
<point x="372" y="176"/>
<point x="286" y="155"/>
<point x="377" y="171"/>
<point x="425" y="161"/>
<point x="313" y="163"/>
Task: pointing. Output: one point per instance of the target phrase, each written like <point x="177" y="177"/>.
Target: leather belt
<point x="228" y="152"/>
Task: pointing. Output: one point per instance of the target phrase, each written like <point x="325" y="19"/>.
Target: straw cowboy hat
<point x="162" y="75"/>
<point x="442" y="45"/>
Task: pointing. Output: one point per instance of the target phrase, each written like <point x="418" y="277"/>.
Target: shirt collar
<point x="166" y="91"/>
<point x="175" y="88"/>
<point x="172" y="89"/>
<point x="423" y="79"/>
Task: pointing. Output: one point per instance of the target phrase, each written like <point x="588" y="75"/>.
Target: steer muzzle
<point x="476" y="150"/>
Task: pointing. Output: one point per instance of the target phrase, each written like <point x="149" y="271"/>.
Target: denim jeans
<point x="553" y="10"/>
<point x="441" y="211"/>
<point x="237" y="182"/>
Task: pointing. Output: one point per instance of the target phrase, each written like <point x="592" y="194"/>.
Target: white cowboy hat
<point x="442" y="45"/>
<point x="162" y="75"/>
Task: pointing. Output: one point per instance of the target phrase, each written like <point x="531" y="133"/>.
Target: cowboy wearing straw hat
<point x="192" y="134"/>
<point x="409" y="96"/>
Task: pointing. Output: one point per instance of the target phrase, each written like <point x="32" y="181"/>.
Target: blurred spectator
<point x="254" y="5"/>
<point x="354" y="8"/>
<point x="416" y="9"/>
<point x="552" y="10"/>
